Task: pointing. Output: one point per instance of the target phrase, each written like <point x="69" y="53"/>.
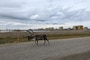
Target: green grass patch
<point x="12" y="40"/>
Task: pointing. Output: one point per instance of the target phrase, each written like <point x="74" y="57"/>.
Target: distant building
<point x="69" y="28"/>
<point x="79" y="27"/>
<point x="85" y="28"/>
<point x="60" y="28"/>
<point x="50" y="28"/>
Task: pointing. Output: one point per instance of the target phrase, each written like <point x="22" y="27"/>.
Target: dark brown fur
<point x="37" y="37"/>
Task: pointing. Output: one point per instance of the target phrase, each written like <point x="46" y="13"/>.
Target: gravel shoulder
<point x="79" y="56"/>
<point x="29" y="51"/>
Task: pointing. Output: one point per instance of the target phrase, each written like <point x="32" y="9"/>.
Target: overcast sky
<point x="25" y="14"/>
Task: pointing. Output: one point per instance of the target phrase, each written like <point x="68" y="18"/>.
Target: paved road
<point x="29" y="51"/>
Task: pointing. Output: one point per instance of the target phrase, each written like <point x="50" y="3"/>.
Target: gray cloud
<point x="53" y="12"/>
<point x="54" y="16"/>
<point x="12" y="17"/>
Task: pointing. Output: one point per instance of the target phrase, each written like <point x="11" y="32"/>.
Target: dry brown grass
<point x="56" y="33"/>
<point x="11" y="37"/>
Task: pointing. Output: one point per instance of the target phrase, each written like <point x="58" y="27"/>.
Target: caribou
<point x="37" y="37"/>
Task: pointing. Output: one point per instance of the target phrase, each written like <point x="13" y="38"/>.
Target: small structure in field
<point x="79" y="27"/>
<point x="60" y="28"/>
<point x="86" y="28"/>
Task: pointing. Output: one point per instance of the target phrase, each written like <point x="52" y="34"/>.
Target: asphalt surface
<point x="29" y="51"/>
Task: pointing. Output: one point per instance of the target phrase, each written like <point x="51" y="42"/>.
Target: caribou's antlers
<point x="30" y="31"/>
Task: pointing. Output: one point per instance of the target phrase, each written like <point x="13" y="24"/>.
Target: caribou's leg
<point x="48" y="41"/>
<point x="44" y="42"/>
<point x="28" y="38"/>
<point x="45" y="39"/>
<point x="36" y="42"/>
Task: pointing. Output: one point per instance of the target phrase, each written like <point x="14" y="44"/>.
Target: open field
<point x="13" y="37"/>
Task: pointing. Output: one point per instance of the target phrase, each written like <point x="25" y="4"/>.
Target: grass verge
<point x="63" y="36"/>
<point x="49" y="36"/>
<point x="12" y="40"/>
